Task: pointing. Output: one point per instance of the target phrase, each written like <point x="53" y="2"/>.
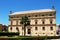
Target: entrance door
<point x="29" y="31"/>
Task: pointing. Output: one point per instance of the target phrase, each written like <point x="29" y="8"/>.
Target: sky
<point x="21" y="5"/>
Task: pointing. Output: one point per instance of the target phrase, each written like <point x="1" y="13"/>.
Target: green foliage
<point x="28" y="22"/>
<point x="8" y="33"/>
<point x="33" y="37"/>
<point x="25" y="20"/>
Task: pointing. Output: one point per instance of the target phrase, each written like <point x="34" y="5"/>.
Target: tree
<point x="25" y="21"/>
<point x="5" y="28"/>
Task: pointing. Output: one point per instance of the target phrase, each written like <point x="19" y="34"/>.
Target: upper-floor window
<point x="51" y="28"/>
<point x="29" y="16"/>
<point x="50" y="14"/>
<point x="36" y="28"/>
<point x="10" y="17"/>
<point x="43" y="22"/>
<point x="35" y="15"/>
<point x="43" y="15"/>
<point x="50" y="22"/>
<point x="46" y="14"/>
<point x="17" y="17"/>
<point x="18" y="22"/>
<point x="14" y="22"/>
<point x="35" y="21"/>
<point x="43" y="28"/>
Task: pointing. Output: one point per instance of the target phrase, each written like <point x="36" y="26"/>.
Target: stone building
<point x="42" y="22"/>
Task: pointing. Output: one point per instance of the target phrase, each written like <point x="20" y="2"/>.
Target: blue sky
<point x="22" y="5"/>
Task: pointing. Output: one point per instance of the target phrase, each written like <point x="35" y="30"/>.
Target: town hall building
<point x="42" y="22"/>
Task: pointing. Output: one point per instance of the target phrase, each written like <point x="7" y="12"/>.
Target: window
<point x="35" y="21"/>
<point x="43" y="22"/>
<point x="50" y="22"/>
<point x="36" y="28"/>
<point x="51" y="28"/>
<point x="29" y="31"/>
<point x="50" y="14"/>
<point x="57" y="33"/>
<point x="29" y="16"/>
<point x="19" y="22"/>
<point x="43" y="28"/>
<point x="42" y="15"/>
<point x="10" y="28"/>
<point x="17" y="17"/>
<point x="35" y="15"/>
<point x="17" y="29"/>
<point x="11" y="17"/>
<point x="46" y="14"/>
<point x="14" y="22"/>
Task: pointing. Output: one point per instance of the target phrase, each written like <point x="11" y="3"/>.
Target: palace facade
<point x="42" y="22"/>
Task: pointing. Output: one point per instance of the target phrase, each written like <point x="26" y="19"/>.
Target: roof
<point x="32" y="11"/>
